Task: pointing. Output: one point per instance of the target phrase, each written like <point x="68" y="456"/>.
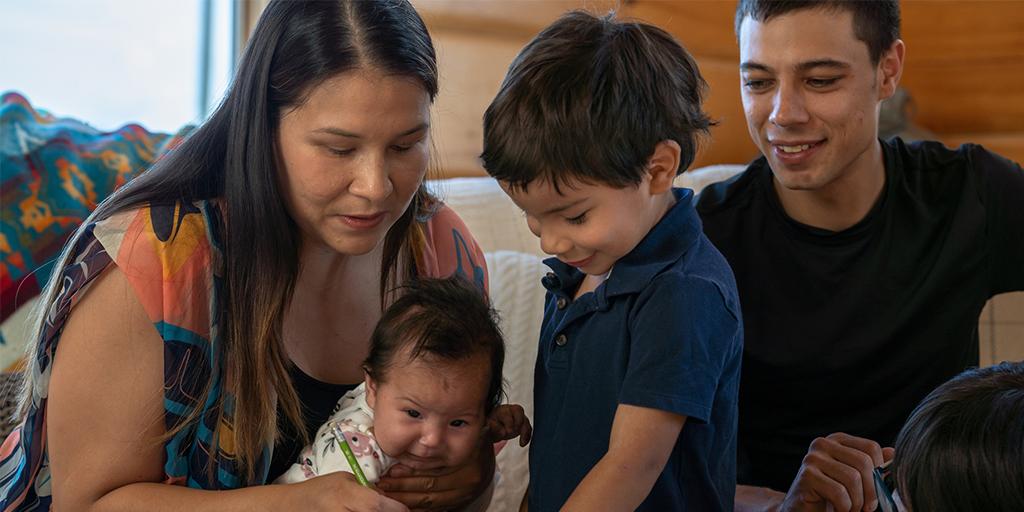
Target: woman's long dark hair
<point x="295" y="46"/>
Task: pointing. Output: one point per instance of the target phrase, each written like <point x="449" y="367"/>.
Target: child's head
<point x="963" y="446"/>
<point x="434" y="372"/>
<point x="594" y="104"/>
<point x="588" y="100"/>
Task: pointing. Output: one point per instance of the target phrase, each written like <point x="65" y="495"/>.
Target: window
<point x="159" y="63"/>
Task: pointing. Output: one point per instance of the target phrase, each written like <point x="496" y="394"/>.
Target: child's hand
<point x="508" y="422"/>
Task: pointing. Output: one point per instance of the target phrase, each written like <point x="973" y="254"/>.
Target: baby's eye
<point x="458" y="423"/>
<point x="413" y="413"/>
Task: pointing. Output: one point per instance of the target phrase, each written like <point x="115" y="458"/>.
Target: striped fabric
<point x="171" y="256"/>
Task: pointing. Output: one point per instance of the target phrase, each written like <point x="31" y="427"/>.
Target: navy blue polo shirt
<point x="663" y="331"/>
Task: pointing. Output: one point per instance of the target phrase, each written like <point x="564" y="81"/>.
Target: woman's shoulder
<point x="449" y="247"/>
<point x="170" y="254"/>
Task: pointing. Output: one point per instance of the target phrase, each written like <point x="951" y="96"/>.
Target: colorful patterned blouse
<point x="171" y="257"/>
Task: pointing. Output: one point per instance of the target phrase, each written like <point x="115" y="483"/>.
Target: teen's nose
<point x="788" y="106"/>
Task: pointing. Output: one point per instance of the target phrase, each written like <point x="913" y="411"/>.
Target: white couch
<point x="514" y="261"/>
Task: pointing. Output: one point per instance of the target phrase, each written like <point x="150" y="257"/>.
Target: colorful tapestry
<point x="53" y="172"/>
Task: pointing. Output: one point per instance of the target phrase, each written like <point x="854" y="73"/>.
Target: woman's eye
<point x="412" y="413"/>
<point x="400" y="149"/>
<point x="577" y="220"/>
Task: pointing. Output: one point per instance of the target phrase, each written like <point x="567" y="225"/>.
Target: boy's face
<point x="811" y="95"/>
<point x="591" y="227"/>
<point x="430" y="414"/>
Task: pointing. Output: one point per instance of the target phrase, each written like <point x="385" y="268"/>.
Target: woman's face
<point x="352" y="156"/>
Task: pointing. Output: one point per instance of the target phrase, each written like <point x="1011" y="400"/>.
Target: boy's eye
<point x="458" y="423"/>
<point x="579" y="219"/>
<point x="413" y="413"/>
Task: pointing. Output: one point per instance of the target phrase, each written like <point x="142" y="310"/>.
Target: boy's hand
<point x="508" y="422"/>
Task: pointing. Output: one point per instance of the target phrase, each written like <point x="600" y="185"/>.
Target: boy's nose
<point x="553" y="244"/>
<point x="431" y="436"/>
<point x="788" y="107"/>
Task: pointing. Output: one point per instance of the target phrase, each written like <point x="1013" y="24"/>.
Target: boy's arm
<point x="640" y="444"/>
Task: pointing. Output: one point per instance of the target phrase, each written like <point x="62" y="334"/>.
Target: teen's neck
<point x="843" y="202"/>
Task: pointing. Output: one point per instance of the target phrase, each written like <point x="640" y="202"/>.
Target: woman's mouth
<point x="360" y="222"/>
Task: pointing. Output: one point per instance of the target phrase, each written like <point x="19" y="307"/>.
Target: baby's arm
<point x="641" y="442"/>
<point x="509" y="422"/>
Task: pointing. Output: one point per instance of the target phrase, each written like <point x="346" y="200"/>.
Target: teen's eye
<point x="756" y="85"/>
<point x="458" y="423"/>
<point x="577" y="220"/>
<point x="821" y="83"/>
<point x="413" y="413"/>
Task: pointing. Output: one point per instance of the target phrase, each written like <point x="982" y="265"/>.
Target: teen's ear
<point x="663" y="165"/>
<point x="371" y="389"/>
<point x="890" y="69"/>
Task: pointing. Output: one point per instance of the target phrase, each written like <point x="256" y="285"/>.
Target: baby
<point x="432" y="389"/>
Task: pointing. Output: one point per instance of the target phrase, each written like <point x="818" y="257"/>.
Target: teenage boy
<point x="862" y="264"/>
<point x="636" y="375"/>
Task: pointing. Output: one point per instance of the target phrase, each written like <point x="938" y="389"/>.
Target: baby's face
<point x="430" y="414"/>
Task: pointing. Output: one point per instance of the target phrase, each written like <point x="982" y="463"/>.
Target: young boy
<point x="638" y="368"/>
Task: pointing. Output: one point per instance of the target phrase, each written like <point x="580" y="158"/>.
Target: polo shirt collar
<point x="664" y="244"/>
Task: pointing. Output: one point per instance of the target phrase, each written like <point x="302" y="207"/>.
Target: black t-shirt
<point x="847" y="331"/>
<point x="318" y="401"/>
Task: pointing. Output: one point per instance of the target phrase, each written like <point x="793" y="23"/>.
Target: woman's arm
<point x="105" y="419"/>
<point x="640" y="444"/>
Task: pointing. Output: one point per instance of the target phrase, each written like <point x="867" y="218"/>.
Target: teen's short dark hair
<point x="447" y="319"/>
<point x="876" y="22"/>
<point x="963" y="446"/>
<point x="588" y="99"/>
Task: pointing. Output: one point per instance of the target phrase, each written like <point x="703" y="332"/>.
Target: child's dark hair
<point x="876" y="22"/>
<point x="588" y="99"/>
<point x="963" y="446"/>
<point x="447" y="319"/>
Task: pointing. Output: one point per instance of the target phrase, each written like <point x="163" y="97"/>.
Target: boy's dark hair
<point x="447" y="319"/>
<point x="588" y="99"/>
<point x="876" y="22"/>
<point x="963" y="446"/>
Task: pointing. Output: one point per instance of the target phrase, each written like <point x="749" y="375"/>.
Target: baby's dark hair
<point x="447" y="319"/>
<point x="588" y="99"/>
<point x="963" y="446"/>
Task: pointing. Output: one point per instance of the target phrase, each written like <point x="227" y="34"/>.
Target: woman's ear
<point x="663" y="165"/>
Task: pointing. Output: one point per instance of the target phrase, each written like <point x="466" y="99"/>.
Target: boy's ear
<point x="663" y="165"/>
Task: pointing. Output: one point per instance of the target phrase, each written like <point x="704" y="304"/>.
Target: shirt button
<point x="561" y="340"/>
<point x="562" y="302"/>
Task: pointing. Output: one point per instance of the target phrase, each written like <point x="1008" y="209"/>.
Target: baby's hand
<point x="507" y="422"/>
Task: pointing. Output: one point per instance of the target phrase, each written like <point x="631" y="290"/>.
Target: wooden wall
<point x="964" y="69"/>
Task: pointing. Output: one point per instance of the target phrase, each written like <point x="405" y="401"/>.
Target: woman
<point x="262" y="250"/>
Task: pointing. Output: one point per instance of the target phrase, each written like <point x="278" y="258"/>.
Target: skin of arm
<point x="105" y="420"/>
<point x="640" y="444"/>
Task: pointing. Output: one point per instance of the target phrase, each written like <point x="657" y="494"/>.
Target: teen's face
<point x="352" y="156"/>
<point x="587" y="226"/>
<point x="430" y="414"/>
<point x="811" y="95"/>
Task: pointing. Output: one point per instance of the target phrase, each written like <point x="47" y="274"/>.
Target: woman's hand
<point x="509" y="422"/>
<point x="448" y="488"/>
<point x="338" y="491"/>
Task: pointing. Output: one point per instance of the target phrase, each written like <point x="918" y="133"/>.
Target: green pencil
<point x="349" y="456"/>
